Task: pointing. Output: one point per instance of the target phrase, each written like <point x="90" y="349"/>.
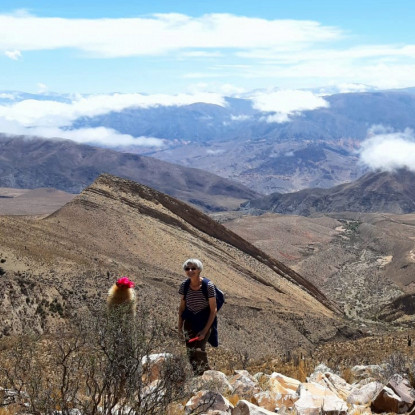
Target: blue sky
<point x="226" y="47"/>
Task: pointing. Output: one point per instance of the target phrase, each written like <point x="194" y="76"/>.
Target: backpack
<point x="220" y="296"/>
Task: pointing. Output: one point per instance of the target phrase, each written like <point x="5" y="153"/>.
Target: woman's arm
<point x="182" y="306"/>
<point x="212" y="315"/>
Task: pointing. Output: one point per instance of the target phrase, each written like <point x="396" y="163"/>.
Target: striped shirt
<point x="195" y="299"/>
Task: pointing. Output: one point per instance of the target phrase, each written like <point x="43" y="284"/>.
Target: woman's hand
<point x="201" y="335"/>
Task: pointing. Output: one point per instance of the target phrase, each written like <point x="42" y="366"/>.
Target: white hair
<point x="193" y="261"/>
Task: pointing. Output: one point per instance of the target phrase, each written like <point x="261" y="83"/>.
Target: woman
<point x="197" y="313"/>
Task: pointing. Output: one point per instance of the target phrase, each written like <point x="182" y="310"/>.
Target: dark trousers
<point x="196" y="350"/>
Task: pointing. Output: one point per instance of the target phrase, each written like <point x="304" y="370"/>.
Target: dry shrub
<point x="99" y="367"/>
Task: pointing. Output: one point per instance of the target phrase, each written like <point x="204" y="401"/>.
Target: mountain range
<point x="267" y="148"/>
<point x="30" y="162"/>
<point x="389" y="192"/>
<point x="311" y="148"/>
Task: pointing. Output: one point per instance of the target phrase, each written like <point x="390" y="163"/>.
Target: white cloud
<point x="13" y="54"/>
<point x="157" y="34"/>
<point x="278" y="118"/>
<point x="98" y="136"/>
<point x="389" y="151"/>
<point x="286" y="102"/>
<point x="32" y="112"/>
<point x="49" y="118"/>
<point x="240" y="117"/>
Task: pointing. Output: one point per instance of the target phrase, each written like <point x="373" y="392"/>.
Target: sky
<point x="111" y="55"/>
<point x="227" y="47"/>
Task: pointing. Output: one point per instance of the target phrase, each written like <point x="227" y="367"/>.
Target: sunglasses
<point x="190" y="269"/>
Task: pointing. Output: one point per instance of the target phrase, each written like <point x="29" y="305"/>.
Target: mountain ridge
<point x="380" y="191"/>
<point x="68" y="166"/>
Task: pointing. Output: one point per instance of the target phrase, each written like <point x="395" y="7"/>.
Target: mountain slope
<point x="374" y="192"/>
<point x="118" y="227"/>
<point x="65" y="165"/>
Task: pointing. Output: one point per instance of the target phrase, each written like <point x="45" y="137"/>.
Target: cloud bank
<point x="389" y="150"/>
<point x="285" y="103"/>
<point x="51" y="119"/>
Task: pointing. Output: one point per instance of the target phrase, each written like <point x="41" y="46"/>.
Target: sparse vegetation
<point x="105" y="364"/>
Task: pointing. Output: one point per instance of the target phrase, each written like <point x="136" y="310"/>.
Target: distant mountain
<point x="264" y="150"/>
<point x="62" y="164"/>
<point x="374" y="192"/>
<point x="315" y="148"/>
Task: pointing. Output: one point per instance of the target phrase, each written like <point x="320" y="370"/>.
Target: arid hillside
<point x="364" y="262"/>
<point x="61" y="267"/>
<point x="32" y="201"/>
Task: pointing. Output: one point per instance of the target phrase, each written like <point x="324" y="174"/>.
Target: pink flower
<point x="124" y="282"/>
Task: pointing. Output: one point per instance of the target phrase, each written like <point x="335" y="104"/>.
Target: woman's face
<point x="192" y="270"/>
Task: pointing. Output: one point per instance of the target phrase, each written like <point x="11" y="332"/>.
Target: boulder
<point x="369" y="372"/>
<point x="243" y="384"/>
<point x="318" y="370"/>
<point x="364" y="395"/>
<point x="403" y="389"/>
<point x="267" y="400"/>
<point x="207" y="402"/>
<point x="333" y="382"/>
<point x="388" y="401"/>
<point x="153" y="365"/>
<point x="284" y="389"/>
<point x="247" y="408"/>
<point x="214" y="381"/>
<point x="315" y="399"/>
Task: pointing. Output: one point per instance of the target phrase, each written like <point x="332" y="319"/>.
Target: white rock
<point x="364" y="395"/>
<point x="214" y="381"/>
<point x="247" y="408"/>
<point x="206" y="401"/>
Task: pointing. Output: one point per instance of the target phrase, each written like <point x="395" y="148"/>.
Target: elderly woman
<point x="197" y="313"/>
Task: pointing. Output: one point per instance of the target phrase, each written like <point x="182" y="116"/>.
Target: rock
<point x="266" y="399"/>
<point x="333" y="382"/>
<point x="284" y="389"/>
<point x="388" y="401"/>
<point x="362" y="373"/>
<point x="318" y="370"/>
<point x="153" y="365"/>
<point x="364" y="395"/>
<point x="214" y="381"/>
<point x="175" y="408"/>
<point x="315" y="399"/>
<point x="247" y="408"/>
<point x="403" y="389"/>
<point x="206" y="402"/>
<point x="244" y="385"/>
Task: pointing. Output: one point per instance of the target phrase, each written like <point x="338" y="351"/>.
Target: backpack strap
<point x="205" y="283"/>
<point x="186" y="287"/>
